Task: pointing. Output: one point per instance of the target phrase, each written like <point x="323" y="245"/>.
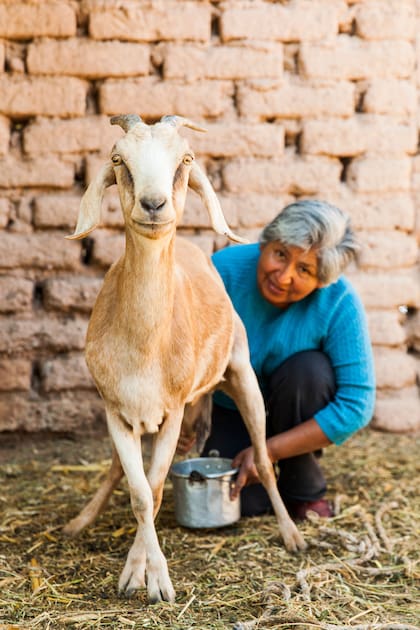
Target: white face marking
<point x="153" y="170"/>
<point x="152" y="157"/>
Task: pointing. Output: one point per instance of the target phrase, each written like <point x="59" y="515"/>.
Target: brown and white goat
<point x="162" y="334"/>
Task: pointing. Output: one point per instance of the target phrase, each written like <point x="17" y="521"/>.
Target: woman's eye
<point x="279" y="253"/>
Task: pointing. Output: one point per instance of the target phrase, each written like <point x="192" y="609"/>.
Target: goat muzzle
<point x="153" y="205"/>
<point x="152" y="225"/>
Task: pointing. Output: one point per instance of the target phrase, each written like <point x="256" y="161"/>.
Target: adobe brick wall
<point x="302" y="98"/>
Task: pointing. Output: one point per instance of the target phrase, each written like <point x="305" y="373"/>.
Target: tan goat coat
<point x="162" y="333"/>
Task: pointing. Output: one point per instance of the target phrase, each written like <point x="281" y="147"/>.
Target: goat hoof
<point x="72" y="528"/>
<point x="127" y="591"/>
<point x="159" y="587"/>
<point x="165" y="595"/>
<point x="161" y="598"/>
<point x="155" y="600"/>
<point x="129" y="588"/>
<point x="295" y="542"/>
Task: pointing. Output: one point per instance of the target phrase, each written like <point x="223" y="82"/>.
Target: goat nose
<point x="153" y="204"/>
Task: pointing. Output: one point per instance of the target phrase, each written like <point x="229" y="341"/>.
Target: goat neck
<point x="146" y="287"/>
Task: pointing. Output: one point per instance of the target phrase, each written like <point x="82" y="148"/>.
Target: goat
<point x="162" y="334"/>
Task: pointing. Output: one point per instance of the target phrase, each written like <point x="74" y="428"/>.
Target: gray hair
<point x="316" y="224"/>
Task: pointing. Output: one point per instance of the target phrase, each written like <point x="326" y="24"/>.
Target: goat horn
<point x="126" y="121"/>
<point x="180" y="121"/>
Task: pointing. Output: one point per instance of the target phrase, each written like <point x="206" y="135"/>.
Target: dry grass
<point x="359" y="572"/>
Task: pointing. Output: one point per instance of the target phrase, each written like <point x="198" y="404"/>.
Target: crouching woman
<point x="309" y="347"/>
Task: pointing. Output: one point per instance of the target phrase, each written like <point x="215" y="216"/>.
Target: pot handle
<point x="196" y="477"/>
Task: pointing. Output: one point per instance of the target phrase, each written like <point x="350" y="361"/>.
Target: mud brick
<point x="4" y="135"/>
<point x="387" y="249"/>
<point x="85" y="58"/>
<point x="46" y="333"/>
<point x="293" y="174"/>
<point x="171" y="21"/>
<point x="39" y="250"/>
<point x="15" y="374"/>
<point x="385" y="328"/>
<point x="191" y="63"/>
<point x="360" y="134"/>
<point x="379" y="174"/>
<point x="354" y="58"/>
<point x="385" y="19"/>
<point x="92" y="133"/>
<point x="23" y="20"/>
<point x="299" y="21"/>
<point x="394" y="368"/>
<point x="71" y="294"/>
<point x="35" y="172"/>
<point x="398" y="414"/>
<point x="152" y="97"/>
<point x="64" y="373"/>
<point x="295" y="99"/>
<point x="22" y="96"/>
<point x="390" y="96"/>
<point x="15" y="294"/>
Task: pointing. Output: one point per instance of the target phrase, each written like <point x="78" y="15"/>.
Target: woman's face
<point x="286" y="273"/>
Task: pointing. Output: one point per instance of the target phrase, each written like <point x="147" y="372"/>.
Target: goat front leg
<point x="242" y="385"/>
<point x="95" y="506"/>
<point x="145" y="558"/>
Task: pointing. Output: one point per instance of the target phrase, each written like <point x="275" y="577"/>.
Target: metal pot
<point x="201" y="492"/>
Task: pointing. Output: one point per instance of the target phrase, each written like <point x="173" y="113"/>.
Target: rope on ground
<point x="364" y="548"/>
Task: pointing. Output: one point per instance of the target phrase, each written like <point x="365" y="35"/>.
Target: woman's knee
<point x="300" y="387"/>
<point x="307" y="369"/>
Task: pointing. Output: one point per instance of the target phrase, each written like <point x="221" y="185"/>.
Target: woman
<point x="309" y="347"/>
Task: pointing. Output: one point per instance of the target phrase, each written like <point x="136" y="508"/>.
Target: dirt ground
<point x="360" y="570"/>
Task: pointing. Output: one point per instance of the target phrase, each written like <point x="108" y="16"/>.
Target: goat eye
<point x="188" y="159"/>
<point x="116" y="159"/>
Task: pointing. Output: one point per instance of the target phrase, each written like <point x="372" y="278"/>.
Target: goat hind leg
<point x="244" y="390"/>
<point x="242" y="385"/>
<point x="99" y="500"/>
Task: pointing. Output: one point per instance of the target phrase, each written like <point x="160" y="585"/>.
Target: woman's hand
<point x="247" y="471"/>
<point x="304" y="438"/>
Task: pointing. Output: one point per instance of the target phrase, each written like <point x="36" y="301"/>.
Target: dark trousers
<point x="298" y="388"/>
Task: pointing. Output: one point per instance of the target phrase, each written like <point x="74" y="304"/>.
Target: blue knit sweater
<point x="330" y="319"/>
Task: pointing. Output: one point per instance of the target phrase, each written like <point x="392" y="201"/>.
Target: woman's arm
<point x="304" y="438"/>
<point x="349" y="349"/>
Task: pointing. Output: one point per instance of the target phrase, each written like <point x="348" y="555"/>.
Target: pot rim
<point x="219" y="474"/>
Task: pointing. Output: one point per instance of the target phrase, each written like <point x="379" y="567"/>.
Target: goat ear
<point x="90" y="206"/>
<point x="199" y="182"/>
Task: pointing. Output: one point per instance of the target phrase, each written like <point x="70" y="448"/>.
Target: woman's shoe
<point x="298" y="510"/>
